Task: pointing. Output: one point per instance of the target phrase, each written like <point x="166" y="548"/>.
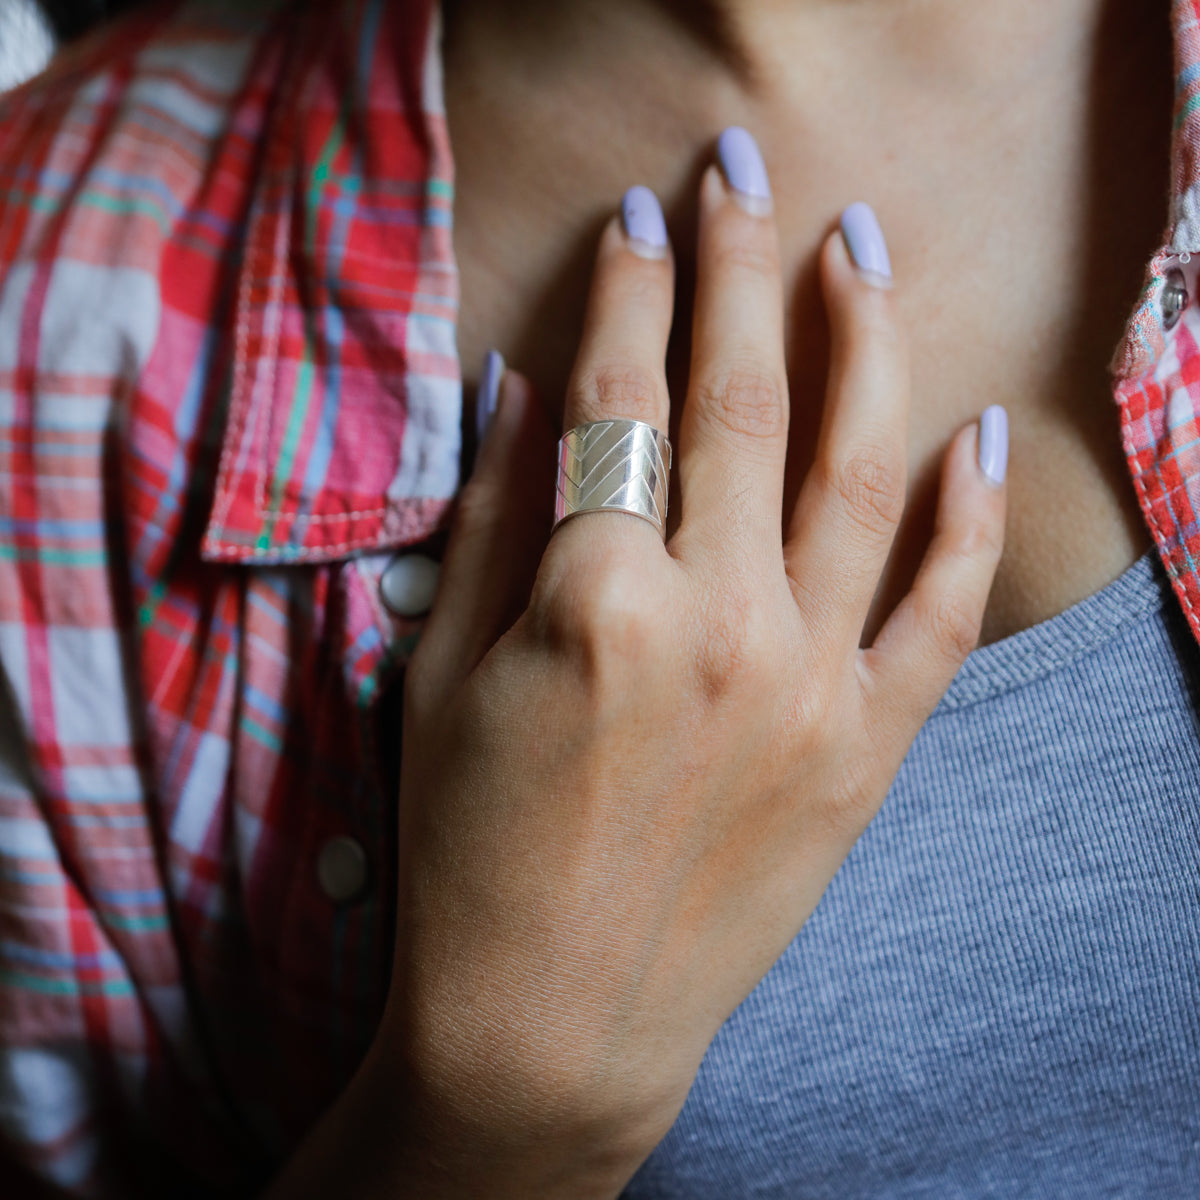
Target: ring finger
<point x="620" y="368"/>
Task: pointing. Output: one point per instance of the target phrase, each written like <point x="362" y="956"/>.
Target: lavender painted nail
<point x="645" y="227"/>
<point x="865" y="241"/>
<point x="993" y="443"/>
<point x="742" y="162"/>
<point x="489" y="392"/>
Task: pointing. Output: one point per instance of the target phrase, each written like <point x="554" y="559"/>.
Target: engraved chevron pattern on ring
<point x="621" y="466"/>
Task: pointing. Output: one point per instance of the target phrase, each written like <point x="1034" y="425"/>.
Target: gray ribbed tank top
<point x="999" y="994"/>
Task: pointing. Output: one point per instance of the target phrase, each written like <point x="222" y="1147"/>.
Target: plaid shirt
<point x="229" y="393"/>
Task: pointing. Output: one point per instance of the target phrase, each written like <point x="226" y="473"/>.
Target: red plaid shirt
<point x="229" y="394"/>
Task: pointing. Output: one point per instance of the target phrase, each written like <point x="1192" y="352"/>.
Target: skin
<point x="631" y="767"/>
<point x="1017" y="155"/>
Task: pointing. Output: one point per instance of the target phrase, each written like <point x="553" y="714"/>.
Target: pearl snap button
<point x="408" y="584"/>
<point x="1174" y="298"/>
<point x="342" y="869"/>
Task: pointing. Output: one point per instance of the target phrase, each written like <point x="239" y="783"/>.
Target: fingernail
<point x="866" y="243"/>
<point x="489" y="392"/>
<point x="645" y="227"/>
<point x="745" y="172"/>
<point x="993" y="443"/>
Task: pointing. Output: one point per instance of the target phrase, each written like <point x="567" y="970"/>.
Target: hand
<point x="626" y="786"/>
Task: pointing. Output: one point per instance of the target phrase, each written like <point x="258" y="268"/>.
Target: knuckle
<point x="599" y="615"/>
<point x="852" y="801"/>
<point x="615" y="610"/>
<point x="722" y="655"/>
<point x="644" y="284"/>
<point x="745" y="246"/>
<point x="748" y="399"/>
<point x="956" y="627"/>
<point x="817" y="697"/>
<point x="737" y="653"/>
<point x="809" y="713"/>
<point x="620" y="390"/>
<point x="627" y="282"/>
<point x="871" y="483"/>
<point x="819" y="719"/>
<point x="979" y="539"/>
<point x="874" y="323"/>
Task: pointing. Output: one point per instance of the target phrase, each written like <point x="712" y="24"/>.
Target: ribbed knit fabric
<point x="999" y="994"/>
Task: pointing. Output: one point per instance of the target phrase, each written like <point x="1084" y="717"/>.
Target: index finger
<point x="733" y="439"/>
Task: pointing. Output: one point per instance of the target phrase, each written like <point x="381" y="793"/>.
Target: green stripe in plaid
<point x="183" y="723"/>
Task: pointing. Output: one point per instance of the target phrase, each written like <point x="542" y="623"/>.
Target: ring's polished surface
<point x="620" y="466"/>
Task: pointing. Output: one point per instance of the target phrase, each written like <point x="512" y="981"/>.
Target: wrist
<point x="450" y="1139"/>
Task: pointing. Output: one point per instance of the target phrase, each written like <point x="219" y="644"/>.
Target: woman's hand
<point x="624" y="793"/>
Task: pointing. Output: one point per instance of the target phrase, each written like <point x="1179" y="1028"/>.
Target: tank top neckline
<point x="989" y="671"/>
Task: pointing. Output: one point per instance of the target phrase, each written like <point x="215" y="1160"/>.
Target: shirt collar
<point x="1145" y="340"/>
<point x="345" y="399"/>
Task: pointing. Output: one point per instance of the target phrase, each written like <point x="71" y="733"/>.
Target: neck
<point x="787" y="53"/>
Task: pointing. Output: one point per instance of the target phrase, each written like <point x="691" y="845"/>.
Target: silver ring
<point x="619" y="466"/>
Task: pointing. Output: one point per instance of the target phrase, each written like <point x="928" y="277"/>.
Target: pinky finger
<point x="921" y="646"/>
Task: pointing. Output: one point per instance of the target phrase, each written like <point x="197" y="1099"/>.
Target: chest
<point x="1074" y="522"/>
<point x="1019" y="256"/>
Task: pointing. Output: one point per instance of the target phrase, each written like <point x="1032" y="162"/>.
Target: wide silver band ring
<point x="617" y="466"/>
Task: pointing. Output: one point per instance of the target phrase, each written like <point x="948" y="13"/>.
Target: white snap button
<point x="342" y="869"/>
<point x="1174" y="298"/>
<point x="408" y="584"/>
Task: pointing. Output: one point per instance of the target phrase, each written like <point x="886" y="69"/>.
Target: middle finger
<point x="734" y="431"/>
